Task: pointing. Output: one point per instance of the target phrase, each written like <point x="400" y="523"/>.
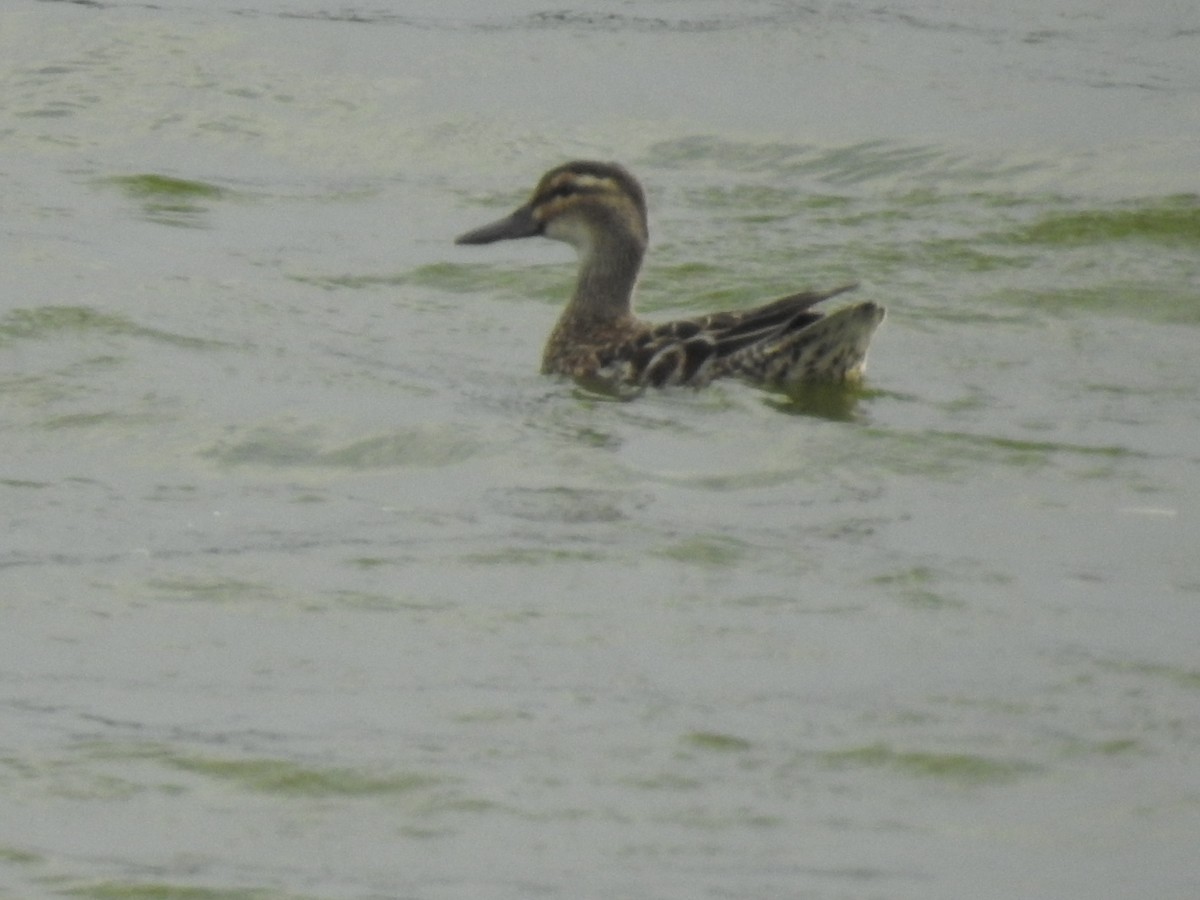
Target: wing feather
<point x="694" y="351"/>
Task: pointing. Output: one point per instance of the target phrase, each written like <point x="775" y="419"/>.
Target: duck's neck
<point x="608" y="270"/>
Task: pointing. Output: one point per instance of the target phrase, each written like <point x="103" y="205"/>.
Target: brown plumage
<point x="600" y="209"/>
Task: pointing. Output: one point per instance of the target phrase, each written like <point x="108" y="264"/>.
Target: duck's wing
<point x="787" y="313"/>
<point x="694" y="351"/>
<point x="777" y="312"/>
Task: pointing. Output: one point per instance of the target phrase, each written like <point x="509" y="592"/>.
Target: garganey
<point x="600" y="209"/>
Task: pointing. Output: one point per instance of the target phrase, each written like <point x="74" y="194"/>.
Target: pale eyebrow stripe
<point x="586" y="181"/>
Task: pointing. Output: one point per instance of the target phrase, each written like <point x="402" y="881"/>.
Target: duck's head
<point x="586" y="204"/>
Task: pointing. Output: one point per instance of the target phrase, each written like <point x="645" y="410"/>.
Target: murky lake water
<point x="311" y="586"/>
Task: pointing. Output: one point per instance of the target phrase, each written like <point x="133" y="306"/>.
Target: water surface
<point x="313" y="587"/>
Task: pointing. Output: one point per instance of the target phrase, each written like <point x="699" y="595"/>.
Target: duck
<point x="599" y="208"/>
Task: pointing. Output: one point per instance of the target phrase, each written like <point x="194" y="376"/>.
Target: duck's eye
<point x="565" y="189"/>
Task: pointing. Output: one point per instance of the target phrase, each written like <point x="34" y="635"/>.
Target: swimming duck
<point x="600" y="209"/>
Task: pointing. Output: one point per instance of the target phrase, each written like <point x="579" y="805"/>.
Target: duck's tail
<point x="831" y="349"/>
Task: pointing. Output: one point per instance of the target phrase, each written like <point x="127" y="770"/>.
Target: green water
<point x="313" y="587"/>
